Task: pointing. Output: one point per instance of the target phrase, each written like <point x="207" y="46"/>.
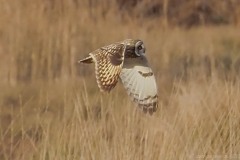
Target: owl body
<point x="126" y="60"/>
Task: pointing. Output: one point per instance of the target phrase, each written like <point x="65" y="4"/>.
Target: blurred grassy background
<point x="51" y="108"/>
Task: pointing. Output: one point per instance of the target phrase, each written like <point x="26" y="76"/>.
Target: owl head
<point x="134" y="48"/>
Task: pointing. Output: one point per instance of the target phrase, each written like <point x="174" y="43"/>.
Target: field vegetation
<point x="51" y="107"/>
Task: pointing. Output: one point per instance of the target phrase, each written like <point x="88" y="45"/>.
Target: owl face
<point x="134" y="48"/>
<point x="139" y="48"/>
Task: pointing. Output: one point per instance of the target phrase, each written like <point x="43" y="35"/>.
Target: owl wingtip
<point x="86" y="60"/>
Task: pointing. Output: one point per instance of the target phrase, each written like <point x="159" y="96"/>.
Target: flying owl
<point x="126" y="60"/>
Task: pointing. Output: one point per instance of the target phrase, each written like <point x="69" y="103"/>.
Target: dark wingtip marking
<point x="149" y="108"/>
<point x="146" y="74"/>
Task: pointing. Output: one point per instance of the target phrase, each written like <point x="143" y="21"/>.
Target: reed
<point x="51" y="108"/>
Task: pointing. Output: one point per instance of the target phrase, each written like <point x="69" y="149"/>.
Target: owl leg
<point x="86" y="60"/>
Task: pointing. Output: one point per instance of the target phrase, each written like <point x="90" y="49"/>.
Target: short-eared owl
<point x="126" y="60"/>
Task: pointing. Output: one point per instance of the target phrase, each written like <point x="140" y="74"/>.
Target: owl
<point x="126" y="60"/>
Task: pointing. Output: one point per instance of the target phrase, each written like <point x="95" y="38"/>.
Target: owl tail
<point x="86" y="60"/>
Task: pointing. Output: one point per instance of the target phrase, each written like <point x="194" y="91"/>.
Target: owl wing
<point x="139" y="81"/>
<point x="108" y="65"/>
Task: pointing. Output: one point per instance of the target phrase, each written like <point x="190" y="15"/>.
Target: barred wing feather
<point x="108" y="65"/>
<point x="139" y="81"/>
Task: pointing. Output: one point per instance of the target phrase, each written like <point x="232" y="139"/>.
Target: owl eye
<point x="140" y="47"/>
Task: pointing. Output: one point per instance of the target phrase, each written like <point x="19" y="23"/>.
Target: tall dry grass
<point x="200" y="121"/>
<point x="51" y="108"/>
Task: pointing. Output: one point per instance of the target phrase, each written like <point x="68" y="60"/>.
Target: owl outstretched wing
<point x="108" y="65"/>
<point x="139" y="81"/>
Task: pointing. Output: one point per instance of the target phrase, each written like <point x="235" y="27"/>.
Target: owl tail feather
<point x="86" y="60"/>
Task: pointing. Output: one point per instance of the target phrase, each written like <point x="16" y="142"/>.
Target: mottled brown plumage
<point x="108" y="63"/>
<point x="126" y="60"/>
